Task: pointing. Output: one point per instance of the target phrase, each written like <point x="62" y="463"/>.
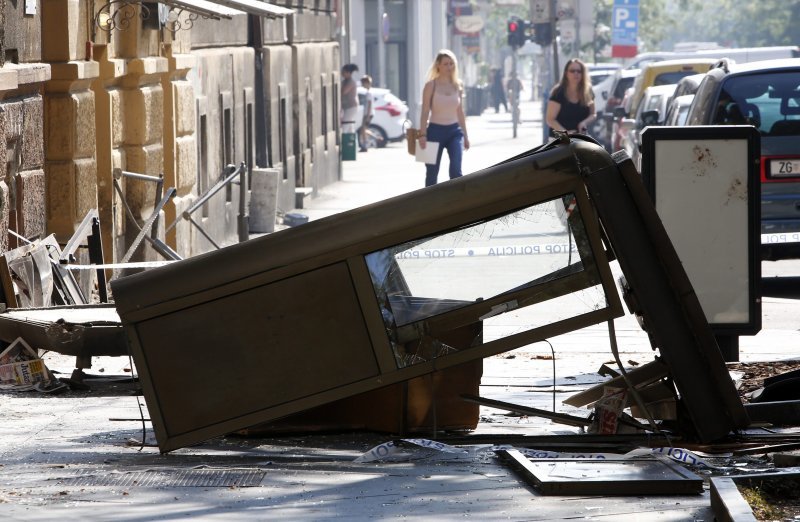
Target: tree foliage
<point x="730" y="23"/>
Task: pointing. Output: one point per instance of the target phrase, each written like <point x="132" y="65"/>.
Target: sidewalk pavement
<point x="383" y="173"/>
<point x="79" y="455"/>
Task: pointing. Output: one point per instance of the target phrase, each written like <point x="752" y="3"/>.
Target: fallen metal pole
<point x="561" y="418"/>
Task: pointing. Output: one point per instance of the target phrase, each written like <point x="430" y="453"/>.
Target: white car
<point x="390" y="114"/>
<point x="602" y="77"/>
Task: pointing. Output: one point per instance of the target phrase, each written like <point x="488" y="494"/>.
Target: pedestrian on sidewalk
<point x="349" y="94"/>
<point x="369" y="111"/>
<point x="442" y="120"/>
<point x="571" y="104"/>
<point x="515" y="87"/>
<point x="498" y="90"/>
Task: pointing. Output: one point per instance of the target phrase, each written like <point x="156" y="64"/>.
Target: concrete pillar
<point x="180" y="147"/>
<point x="143" y="109"/>
<point x="70" y="163"/>
<point x="263" y="199"/>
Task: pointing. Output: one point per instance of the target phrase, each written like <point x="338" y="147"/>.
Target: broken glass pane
<point x="422" y="285"/>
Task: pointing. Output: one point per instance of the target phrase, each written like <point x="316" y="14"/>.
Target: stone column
<point x="69" y="115"/>
<point x="143" y="109"/>
<point x="180" y="147"/>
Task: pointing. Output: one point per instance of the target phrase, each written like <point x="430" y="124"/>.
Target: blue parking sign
<point x="625" y="22"/>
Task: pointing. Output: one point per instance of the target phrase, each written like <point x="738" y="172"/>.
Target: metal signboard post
<point x="704" y="183"/>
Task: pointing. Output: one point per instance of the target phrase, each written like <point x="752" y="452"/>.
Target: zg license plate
<point x="779" y="168"/>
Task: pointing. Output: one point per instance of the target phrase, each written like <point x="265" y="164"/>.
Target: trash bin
<point x="349" y="141"/>
<point x="477" y="100"/>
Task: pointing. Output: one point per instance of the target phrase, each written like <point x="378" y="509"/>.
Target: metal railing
<point x="231" y="179"/>
<point x="151" y="224"/>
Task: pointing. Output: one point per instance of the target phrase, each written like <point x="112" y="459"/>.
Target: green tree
<point x="734" y="23"/>
<point x="495" y="30"/>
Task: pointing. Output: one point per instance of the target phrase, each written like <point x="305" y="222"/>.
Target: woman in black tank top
<point x="571" y="104"/>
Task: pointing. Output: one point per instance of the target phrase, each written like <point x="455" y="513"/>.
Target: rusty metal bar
<point x="148" y="224"/>
<point x="243" y="225"/>
<point x="560" y="418"/>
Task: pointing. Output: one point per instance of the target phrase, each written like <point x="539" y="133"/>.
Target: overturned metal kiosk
<point x="402" y="288"/>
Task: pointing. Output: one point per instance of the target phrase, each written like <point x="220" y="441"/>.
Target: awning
<point x="229" y="8"/>
<point x="203" y="8"/>
<point x="255" y="7"/>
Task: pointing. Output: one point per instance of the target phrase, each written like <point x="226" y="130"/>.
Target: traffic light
<point x="517" y="28"/>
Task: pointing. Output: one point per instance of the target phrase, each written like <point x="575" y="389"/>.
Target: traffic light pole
<point x="517" y="37"/>
<point x="556" y="76"/>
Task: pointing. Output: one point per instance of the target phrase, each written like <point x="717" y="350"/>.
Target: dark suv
<point x="766" y="95"/>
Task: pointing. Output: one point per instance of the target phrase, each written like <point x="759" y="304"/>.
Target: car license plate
<point x="779" y="168"/>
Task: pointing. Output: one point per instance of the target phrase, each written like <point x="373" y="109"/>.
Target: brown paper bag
<point x="411" y="140"/>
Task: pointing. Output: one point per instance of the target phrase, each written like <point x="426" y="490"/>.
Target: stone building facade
<point x="151" y="89"/>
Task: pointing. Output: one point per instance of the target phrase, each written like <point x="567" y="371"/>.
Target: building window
<point x="310" y="120"/>
<point x="226" y="104"/>
<point x="324" y="111"/>
<point x="249" y="141"/>
<point x="202" y="173"/>
<point x="282" y="136"/>
<point x="336" y="118"/>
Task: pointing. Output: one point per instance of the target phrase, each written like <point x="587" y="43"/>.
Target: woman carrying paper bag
<point x="442" y="120"/>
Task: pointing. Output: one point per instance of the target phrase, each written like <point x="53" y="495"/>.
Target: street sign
<point x="565" y="9"/>
<point x="624" y="28"/>
<point x="540" y="11"/>
<point x="567" y="29"/>
<point x="468" y="24"/>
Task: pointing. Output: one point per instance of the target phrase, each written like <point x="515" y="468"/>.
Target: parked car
<point x="664" y="73"/>
<point x="603" y="66"/>
<point x="678" y="110"/>
<point x="652" y="110"/>
<point x="390" y="113"/>
<point x="602" y="77"/>
<point x="765" y="95"/>
<point x="687" y="86"/>
<point x="603" y="127"/>
<point x="740" y="55"/>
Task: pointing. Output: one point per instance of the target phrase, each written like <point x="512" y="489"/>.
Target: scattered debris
<point x="649" y="475"/>
<point x="405" y="450"/>
<point x="21" y="369"/>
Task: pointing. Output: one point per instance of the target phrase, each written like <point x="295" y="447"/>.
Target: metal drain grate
<point x="182" y="478"/>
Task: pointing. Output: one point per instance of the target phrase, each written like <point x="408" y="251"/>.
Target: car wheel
<point x="376" y="135"/>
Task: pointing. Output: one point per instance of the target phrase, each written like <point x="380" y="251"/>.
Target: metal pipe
<point x="205" y="197"/>
<point x="95" y="245"/>
<point x="148" y="224"/>
<point x="193" y="222"/>
<point x="243" y="225"/>
<point x="119" y="173"/>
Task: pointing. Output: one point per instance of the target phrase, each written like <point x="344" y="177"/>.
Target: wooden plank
<point x="645" y="374"/>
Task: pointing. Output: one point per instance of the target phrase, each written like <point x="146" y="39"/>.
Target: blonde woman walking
<point x="442" y="118"/>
